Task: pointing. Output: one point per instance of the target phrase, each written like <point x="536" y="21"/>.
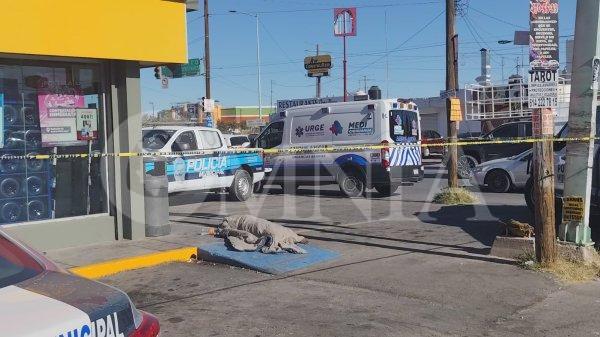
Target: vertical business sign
<point x="543" y="61"/>
<point x="543" y="34"/>
<point x="344" y="21"/>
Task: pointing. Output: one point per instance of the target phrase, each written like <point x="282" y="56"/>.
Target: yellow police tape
<point x="313" y="149"/>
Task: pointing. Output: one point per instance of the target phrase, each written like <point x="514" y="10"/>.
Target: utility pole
<point x="345" y="68"/>
<point x="318" y="78"/>
<point x="582" y="120"/>
<point x="543" y="23"/>
<point x="451" y="90"/>
<point x="206" y="50"/>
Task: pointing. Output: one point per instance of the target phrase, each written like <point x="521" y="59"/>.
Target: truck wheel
<point x="241" y="188"/>
<point x="498" y="181"/>
<point x="386" y="190"/>
<point x="351" y="183"/>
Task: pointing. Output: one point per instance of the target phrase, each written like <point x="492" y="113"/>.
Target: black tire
<point x="498" y="181"/>
<point x="386" y="190"/>
<point x="466" y="164"/>
<point x="351" y="183"/>
<point x="241" y="188"/>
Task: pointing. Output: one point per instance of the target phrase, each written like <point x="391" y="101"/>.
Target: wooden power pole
<point x="451" y="89"/>
<point x="543" y="77"/>
<point x="543" y="189"/>
<point x="206" y="51"/>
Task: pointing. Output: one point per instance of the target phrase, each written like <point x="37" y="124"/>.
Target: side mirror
<point x="246" y="144"/>
<point x="185" y="146"/>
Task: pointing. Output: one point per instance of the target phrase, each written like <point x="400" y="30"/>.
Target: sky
<point x="399" y="47"/>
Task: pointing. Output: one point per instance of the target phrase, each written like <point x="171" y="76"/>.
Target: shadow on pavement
<point x="466" y="252"/>
<point x="466" y="217"/>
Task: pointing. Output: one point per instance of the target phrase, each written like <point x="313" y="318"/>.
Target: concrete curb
<point x="111" y="267"/>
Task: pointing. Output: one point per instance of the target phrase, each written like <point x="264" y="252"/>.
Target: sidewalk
<point x="181" y="236"/>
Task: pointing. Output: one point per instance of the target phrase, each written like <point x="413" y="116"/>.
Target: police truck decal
<point x="47" y="316"/>
<point x="197" y="167"/>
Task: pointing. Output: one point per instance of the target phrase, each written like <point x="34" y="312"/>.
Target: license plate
<point x="416" y="172"/>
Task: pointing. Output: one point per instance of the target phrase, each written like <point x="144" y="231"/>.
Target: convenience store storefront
<point x="70" y="84"/>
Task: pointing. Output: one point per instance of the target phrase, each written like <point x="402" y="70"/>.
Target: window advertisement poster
<point x="1" y="120"/>
<point x="87" y="124"/>
<point x="58" y="117"/>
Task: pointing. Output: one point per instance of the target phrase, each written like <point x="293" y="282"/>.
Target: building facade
<point x="70" y="87"/>
<point x="241" y="114"/>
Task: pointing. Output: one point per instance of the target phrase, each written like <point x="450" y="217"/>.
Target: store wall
<point x="140" y="30"/>
<point x="119" y="180"/>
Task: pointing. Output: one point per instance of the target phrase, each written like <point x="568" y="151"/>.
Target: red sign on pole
<point x="344" y="21"/>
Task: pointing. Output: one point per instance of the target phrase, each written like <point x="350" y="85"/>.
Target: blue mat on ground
<point x="267" y="263"/>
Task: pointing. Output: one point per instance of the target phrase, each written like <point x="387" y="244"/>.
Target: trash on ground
<point x="518" y="229"/>
<point x="247" y="233"/>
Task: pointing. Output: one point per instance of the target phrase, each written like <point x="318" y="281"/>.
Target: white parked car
<point x="502" y="175"/>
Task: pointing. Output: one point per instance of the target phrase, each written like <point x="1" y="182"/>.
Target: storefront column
<point x="127" y="200"/>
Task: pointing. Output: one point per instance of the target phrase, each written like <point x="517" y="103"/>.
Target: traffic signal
<point x="157" y="73"/>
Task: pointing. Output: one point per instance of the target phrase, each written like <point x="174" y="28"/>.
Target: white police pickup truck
<point x="212" y="167"/>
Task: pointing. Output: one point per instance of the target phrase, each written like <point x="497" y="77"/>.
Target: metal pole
<point x="345" y="70"/>
<point x="318" y="78"/>
<point x="206" y="51"/>
<point x="451" y="86"/>
<point x="582" y="118"/>
<point x="258" y="64"/>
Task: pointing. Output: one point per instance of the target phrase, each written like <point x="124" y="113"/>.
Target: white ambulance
<point x="328" y="144"/>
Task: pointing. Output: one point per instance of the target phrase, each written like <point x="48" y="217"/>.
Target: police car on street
<point x="38" y="299"/>
<point x="201" y="160"/>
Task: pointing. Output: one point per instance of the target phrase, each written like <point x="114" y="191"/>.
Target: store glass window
<point x="50" y="108"/>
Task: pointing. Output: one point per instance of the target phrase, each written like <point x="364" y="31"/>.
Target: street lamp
<point x="255" y="15"/>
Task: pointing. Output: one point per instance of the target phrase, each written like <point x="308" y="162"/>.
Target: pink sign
<point x="58" y="116"/>
<point x="344" y="21"/>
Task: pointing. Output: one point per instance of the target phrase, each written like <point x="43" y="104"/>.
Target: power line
<point x="300" y="10"/>
<point x="429" y="23"/>
<point x="275" y="41"/>
<point x="497" y="19"/>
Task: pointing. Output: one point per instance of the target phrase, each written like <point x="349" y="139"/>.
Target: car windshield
<point x="15" y="264"/>
<point x="156" y="139"/>
<point x="404" y="126"/>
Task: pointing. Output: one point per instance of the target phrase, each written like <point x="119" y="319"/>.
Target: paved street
<point x="408" y="268"/>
